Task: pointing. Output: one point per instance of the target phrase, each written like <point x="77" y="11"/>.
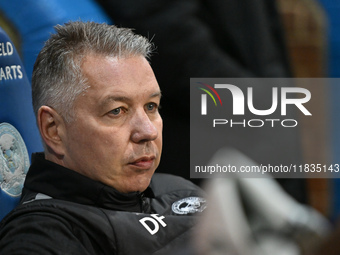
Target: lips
<point x="144" y="163"/>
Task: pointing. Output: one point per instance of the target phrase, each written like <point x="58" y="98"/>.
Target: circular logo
<point x="14" y="161"/>
<point x="189" y="205"/>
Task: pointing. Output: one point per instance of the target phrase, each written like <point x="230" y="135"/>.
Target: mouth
<point x="143" y="163"/>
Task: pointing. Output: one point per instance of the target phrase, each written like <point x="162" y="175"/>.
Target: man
<point x="214" y="38"/>
<point x="96" y="101"/>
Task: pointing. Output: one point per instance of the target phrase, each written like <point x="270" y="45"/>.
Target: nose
<point x="143" y="129"/>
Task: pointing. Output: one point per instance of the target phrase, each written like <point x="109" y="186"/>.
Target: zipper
<point x="143" y="202"/>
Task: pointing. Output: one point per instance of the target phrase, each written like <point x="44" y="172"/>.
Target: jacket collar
<point x="62" y="183"/>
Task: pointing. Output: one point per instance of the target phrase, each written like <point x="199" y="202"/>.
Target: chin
<point x="142" y="184"/>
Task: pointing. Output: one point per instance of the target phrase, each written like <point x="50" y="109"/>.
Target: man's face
<point x="116" y="137"/>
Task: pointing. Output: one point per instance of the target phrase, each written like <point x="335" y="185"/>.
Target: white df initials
<point x="151" y="223"/>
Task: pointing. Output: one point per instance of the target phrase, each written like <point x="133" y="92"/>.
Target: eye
<point x="116" y="111"/>
<point x="151" y="107"/>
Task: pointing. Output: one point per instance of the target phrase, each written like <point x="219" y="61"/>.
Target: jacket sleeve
<point x="42" y="234"/>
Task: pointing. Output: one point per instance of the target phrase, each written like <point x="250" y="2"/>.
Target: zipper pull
<point x="143" y="203"/>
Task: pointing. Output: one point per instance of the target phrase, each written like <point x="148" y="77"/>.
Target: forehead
<point x="120" y="77"/>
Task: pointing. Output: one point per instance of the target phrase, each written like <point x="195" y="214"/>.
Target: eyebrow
<point x="157" y="94"/>
<point x="126" y="99"/>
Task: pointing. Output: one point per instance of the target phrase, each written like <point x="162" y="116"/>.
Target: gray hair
<point x="57" y="78"/>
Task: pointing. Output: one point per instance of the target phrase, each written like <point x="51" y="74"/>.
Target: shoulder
<point x="167" y="183"/>
<point x="176" y="196"/>
<point x="37" y="231"/>
<point x="40" y="222"/>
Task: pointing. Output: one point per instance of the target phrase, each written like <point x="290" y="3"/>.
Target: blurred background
<point x="231" y="38"/>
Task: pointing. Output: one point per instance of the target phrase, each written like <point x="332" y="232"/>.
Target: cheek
<point x="85" y="140"/>
<point x="104" y="143"/>
<point x="160" y="131"/>
<point x="159" y="141"/>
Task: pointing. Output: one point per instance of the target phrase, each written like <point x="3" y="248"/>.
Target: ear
<point x="51" y="126"/>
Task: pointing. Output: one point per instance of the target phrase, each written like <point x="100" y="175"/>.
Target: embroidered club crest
<point x="189" y="205"/>
<point x="14" y="161"/>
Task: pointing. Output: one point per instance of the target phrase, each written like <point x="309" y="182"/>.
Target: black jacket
<point x="63" y="212"/>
